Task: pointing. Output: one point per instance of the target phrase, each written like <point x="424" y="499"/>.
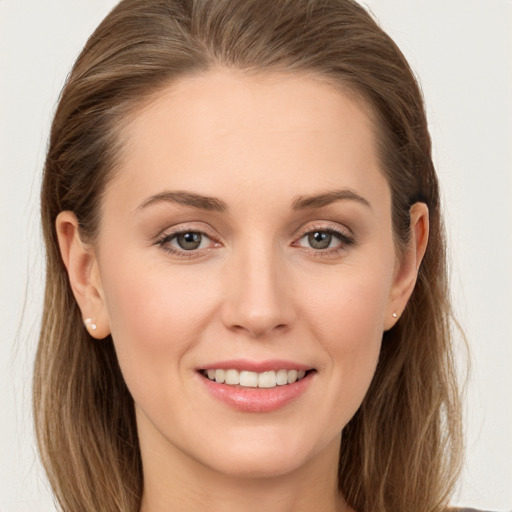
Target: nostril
<point x="259" y="328"/>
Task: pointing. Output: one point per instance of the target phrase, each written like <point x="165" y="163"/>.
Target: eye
<point x="320" y="239"/>
<point x="325" y="240"/>
<point x="185" y="243"/>
<point x="189" y="241"/>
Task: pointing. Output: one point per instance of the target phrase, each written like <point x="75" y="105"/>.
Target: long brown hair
<point x="401" y="450"/>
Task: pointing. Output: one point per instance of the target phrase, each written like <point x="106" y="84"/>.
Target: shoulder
<point x="467" y="510"/>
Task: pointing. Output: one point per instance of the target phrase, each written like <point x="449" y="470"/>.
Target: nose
<point x="258" y="297"/>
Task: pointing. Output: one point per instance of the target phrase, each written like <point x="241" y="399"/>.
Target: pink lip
<point x="256" y="399"/>
<point x="256" y="366"/>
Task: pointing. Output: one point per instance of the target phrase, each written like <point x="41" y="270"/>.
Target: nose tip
<point x="258" y="303"/>
<point x="259" y="326"/>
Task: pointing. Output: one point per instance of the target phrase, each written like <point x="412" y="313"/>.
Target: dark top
<point x="470" y="510"/>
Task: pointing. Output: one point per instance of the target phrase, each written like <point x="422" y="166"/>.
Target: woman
<point x="246" y="302"/>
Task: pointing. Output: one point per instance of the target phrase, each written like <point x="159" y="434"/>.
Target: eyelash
<point x="166" y="238"/>
<point x="345" y="240"/>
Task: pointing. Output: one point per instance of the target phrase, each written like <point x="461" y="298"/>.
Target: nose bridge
<point x="258" y="301"/>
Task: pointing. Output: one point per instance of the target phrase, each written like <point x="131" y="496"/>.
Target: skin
<point x="255" y="288"/>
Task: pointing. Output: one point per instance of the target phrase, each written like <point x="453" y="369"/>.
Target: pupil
<point x="319" y="240"/>
<point x="189" y="241"/>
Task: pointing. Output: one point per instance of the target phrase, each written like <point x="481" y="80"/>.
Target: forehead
<point x="227" y="131"/>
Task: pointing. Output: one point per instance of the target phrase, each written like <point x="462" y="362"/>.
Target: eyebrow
<point x="187" y="199"/>
<point x="326" y="198"/>
<point x="217" y="205"/>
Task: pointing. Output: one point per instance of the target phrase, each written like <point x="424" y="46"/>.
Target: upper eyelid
<point x="163" y="241"/>
<point x="174" y="234"/>
<point x="183" y="228"/>
<point x="212" y="234"/>
<point x="325" y="226"/>
<point x="344" y="235"/>
<point x="166" y="238"/>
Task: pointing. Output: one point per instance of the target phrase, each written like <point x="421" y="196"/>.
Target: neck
<point x="175" y="481"/>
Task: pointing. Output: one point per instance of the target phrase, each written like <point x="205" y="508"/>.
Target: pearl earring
<point x="90" y="324"/>
<point x="395" y="315"/>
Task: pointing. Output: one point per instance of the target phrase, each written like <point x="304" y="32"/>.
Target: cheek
<point x="347" y="320"/>
<point x="349" y="306"/>
<point x="155" y="316"/>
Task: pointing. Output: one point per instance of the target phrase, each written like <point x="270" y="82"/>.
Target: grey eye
<point x="319" y="239"/>
<point x="189" y="241"/>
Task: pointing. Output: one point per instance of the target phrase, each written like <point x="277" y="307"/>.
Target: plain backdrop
<point x="462" y="52"/>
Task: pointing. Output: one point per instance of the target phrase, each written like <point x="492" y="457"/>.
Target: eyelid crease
<point x="328" y="227"/>
<point x="186" y="227"/>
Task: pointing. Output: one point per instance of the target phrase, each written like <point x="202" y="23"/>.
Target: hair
<point x="401" y="451"/>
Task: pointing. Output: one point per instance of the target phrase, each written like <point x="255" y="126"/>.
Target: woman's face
<point x="248" y="229"/>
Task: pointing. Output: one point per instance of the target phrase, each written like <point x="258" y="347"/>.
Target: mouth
<point x="256" y="386"/>
<point x="250" y="379"/>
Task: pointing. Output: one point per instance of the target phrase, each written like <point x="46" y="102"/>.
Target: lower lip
<point x="257" y="399"/>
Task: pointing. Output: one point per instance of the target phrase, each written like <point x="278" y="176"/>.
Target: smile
<point x="248" y="379"/>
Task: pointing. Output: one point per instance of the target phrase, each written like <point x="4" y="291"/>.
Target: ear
<point x="84" y="276"/>
<point x="408" y="264"/>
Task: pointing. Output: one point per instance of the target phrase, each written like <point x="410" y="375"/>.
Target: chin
<point x="271" y="454"/>
<point x="266" y="465"/>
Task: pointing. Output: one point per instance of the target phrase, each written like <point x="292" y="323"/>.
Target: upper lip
<point x="256" y="366"/>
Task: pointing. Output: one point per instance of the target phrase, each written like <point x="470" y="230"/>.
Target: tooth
<point x="282" y="377"/>
<point x="219" y="376"/>
<point x="267" y="379"/>
<point x="232" y="377"/>
<point x="249" y="379"/>
<point x="292" y="376"/>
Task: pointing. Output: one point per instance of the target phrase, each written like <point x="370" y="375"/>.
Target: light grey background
<point x="462" y="52"/>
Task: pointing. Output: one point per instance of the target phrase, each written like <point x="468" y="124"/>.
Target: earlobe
<point x="84" y="278"/>
<point x="408" y="264"/>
